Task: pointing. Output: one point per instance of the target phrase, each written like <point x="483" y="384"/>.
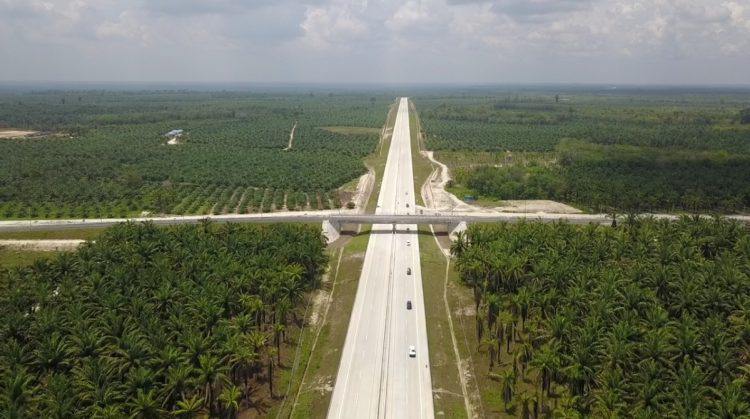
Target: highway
<point x="377" y="377"/>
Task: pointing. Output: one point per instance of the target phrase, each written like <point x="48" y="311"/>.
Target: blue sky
<point x="430" y="41"/>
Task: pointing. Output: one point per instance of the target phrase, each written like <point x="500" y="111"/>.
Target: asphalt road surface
<point x="377" y="377"/>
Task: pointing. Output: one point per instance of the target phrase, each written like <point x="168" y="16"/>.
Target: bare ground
<point x="364" y="190"/>
<point x="42" y="245"/>
<point x="10" y="133"/>
<point x="436" y="196"/>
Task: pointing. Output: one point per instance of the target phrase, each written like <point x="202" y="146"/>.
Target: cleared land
<point x="16" y="133"/>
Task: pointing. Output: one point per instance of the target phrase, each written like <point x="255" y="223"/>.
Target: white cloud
<point x="414" y="40"/>
<point x="332" y="26"/>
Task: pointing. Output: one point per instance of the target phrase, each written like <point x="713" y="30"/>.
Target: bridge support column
<point x="332" y="230"/>
<point x="454" y="228"/>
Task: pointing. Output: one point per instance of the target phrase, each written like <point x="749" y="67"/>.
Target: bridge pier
<point x="331" y="230"/>
<point x="454" y="228"/>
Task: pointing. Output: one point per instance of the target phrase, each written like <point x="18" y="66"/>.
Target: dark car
<point x="408" y="271"/>
<point x="408" y="304"/>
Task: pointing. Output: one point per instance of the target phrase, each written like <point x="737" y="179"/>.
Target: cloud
<point x="377" y="40"/>
<point x="332" y="26"/>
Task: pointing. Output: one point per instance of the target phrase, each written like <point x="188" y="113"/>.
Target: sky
<point x="377" y="41"/>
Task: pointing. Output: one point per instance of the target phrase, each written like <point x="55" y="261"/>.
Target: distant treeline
<point x="625" y="178"/>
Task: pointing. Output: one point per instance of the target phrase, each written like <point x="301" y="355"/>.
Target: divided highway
<point x="378" y="377"/>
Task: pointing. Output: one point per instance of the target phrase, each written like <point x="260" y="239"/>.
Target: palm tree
<point x="525" y="400"/>
<point x="731" y="401"/>
<point x="488" y="344"/>
<point x="52" y="353"/>
<point x="547" y="362"/>
<point x="271" y="364"/>
<point x="230" y="397"/>
<point x="18" y="395"/>
<point x="521" y="303"/>
<point x="508" y="381"/>
<point x="689" y="390"/>
<point x="459" y="245"/>
<point x="211" y="373"/>
<point x="180" y="379"/>
<point x="278" y="332"/>
<point x="145" y="405"/>
<point x="189" y="408"/>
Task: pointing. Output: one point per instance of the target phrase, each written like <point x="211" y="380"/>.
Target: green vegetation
<point x="10" y="258"/>
<point x="65" y="233"/>
<point x="317" y="384"/>
<point x="649" y="319"/>
<point x="628" y="178"/>
<point x="105" y="154"/>
<point x="629" y="150"/>
<point x="745" y="116"/>
<point x="538" y="120"/>
<point x="421" y="165"/>
<point x="147" y="321"/>
<point x="448" y="394"/>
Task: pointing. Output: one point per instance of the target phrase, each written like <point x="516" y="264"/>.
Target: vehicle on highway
<point x="412" y="351"/>
<point x="408" y="243"/>
<point x="408" y="304"/>
<point x="408" y="271"/>
<point x="407" y="205"/>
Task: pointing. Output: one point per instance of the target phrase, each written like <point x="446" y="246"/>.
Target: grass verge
<point x="12" y="258"/>
<point x="448" y="396"/>
<point x="69" y="233"/>
<point x="316" y="383"/>
<point x="351" y="130"/>
<point x="421" y="166"/>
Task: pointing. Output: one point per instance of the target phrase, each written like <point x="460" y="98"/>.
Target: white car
<point x="412" y="352"/>
<point x="408" y="243"/>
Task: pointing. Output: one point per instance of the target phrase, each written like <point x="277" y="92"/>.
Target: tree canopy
<point x="648" y="319"/>
<point x="148" y="321"/>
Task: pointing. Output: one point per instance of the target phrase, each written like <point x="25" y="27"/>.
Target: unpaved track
<point x="436" y="196"/>
<point x="291" y="137"/>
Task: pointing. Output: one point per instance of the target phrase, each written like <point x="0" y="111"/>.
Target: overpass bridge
<point x="333" y="222"/>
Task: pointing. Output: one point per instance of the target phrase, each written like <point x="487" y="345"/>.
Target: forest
<point x="647" y="319"/>
<point x="629" y="150"/>
<point x="622" y="178"/>
<point x="147" y="322"/>
<point x="104" y="154"/>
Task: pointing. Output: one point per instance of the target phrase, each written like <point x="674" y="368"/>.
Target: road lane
<point x="377" y="378"/>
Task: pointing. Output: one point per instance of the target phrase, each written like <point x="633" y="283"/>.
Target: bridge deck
<point x="333" y="217"/>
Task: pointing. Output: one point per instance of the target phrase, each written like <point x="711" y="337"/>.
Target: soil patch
<point x="16" y="133"/>
<point x="42" y="245"/>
